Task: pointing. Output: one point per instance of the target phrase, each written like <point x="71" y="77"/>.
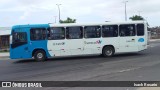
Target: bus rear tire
<point x="39" y="55"/>
<point x="108" y="51"/>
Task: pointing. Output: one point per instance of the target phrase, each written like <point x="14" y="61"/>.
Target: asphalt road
<point x="142" y="66"/>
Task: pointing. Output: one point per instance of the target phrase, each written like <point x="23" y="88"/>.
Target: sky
<point x="15" y="12"/>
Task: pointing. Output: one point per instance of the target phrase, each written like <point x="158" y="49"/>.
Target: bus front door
<point x="127" y="44"/>
<point x="127" y="39"/>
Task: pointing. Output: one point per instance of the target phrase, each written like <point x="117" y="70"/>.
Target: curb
<point x="4" y="57"/>
<point x="149" y="88"/>
<point x="153" y="40"/>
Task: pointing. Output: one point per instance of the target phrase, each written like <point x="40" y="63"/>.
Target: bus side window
<point x="92" y="31"/>
<point x="38" y="34"/>
<point x="127" y="30"/>
<point x="57" y="33"/>
<point x="110" y="31"/>
<point x="44" y="34"/>
<point x="74" y="32"/>
<point x="48" y="33"/>
<point x="122" y="33"/>
<point x="31" y="34"/>
<point x="140" y="29"/>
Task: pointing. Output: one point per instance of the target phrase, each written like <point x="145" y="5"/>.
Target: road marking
<point x="127" y="70"/>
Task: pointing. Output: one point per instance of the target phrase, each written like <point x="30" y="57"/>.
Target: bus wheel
<point x="108" y="51"/>
<point x="40" y="55"/>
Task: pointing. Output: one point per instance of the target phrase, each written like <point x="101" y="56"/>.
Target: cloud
<point x="25" y="15"/>
<point x="82" y="10"/>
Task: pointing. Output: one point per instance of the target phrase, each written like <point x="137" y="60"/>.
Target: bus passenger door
<point x="127" y="39"/>
<point x="75" y="46"/>
<point x="92" y="46"/>
<point x="74" y="40"/>
<point x="92" y="41"/>
<point x="57" y="45"/>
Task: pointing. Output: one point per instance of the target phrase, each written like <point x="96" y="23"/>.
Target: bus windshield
<point x="19" y="37"/>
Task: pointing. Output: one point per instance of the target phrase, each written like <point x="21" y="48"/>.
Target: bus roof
<point x="92" y="24"/>
<point x="31" y="26"/>
<point x="75" y="24"/>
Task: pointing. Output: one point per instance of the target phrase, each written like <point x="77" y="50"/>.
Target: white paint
<point x="78" y="47"/>
<point x="127" y="70"/>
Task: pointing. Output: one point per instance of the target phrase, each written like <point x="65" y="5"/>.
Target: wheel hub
<point x="39" y="55"/>
<point x="109" y="52"/>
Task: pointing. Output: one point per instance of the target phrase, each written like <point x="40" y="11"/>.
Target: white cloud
<point x="5" y="1"/>
<point x="25" y="14"/>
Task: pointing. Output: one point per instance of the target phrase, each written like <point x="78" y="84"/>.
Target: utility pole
<point x="125" y="2"/>
<point x="58" y="5"/>
<point x="139" y="12"/>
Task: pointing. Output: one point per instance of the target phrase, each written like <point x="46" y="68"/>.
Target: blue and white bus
<point x="44" y="41"/>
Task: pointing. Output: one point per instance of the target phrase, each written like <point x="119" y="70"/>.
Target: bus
<point x="42" y="41"/>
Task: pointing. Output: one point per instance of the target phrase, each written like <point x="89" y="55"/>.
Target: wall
<point x="4" y="38"/>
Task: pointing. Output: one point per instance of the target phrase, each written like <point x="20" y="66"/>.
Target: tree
<point x="136" y="17"/>
<point x="68" y="20"/>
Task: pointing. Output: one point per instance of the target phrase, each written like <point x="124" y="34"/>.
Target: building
<point x="155" y="32"/>
<point x="4" y="38"/>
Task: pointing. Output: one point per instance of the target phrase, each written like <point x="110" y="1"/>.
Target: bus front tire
<point x="39" y="55"/>
<point x="108" y="51"/>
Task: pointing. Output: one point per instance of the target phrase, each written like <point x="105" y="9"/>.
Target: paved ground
<point x="143" y="66"/>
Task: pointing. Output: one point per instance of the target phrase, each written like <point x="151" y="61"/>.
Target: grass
<point x="4" y="51"/>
